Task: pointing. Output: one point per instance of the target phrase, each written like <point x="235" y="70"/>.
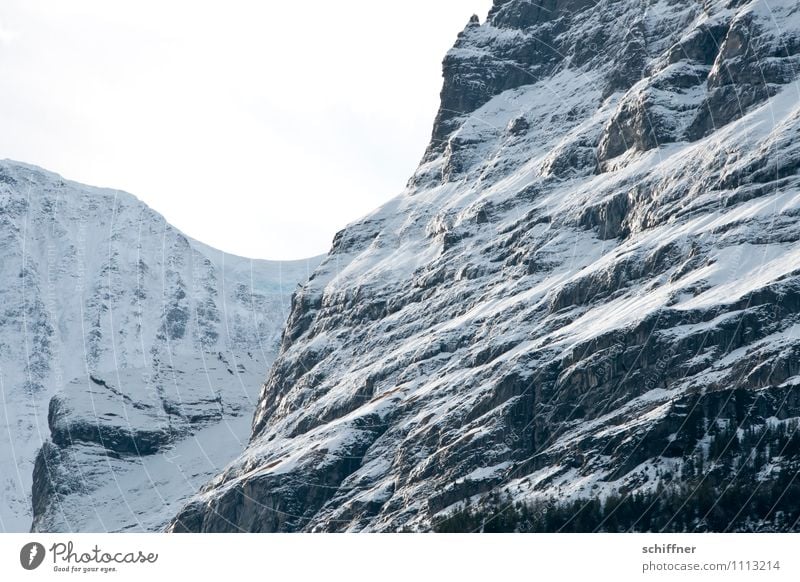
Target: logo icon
<point x="31" y="555"/>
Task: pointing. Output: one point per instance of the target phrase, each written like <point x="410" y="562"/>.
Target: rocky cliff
<point x="587" y="296"/>
<point x="130" y="355"/>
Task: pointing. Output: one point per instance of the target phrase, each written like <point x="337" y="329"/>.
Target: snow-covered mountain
<point x="582" y="313"/>
<point x="130" y="355"/>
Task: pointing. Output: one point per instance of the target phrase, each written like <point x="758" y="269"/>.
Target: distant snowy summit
<point x="583" y="312"/>
<point x="130" y="355"/>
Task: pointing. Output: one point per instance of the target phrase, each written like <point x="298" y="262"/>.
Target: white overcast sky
<point x="260" y="128"/>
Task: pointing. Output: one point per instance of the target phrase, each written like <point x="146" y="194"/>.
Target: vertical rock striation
<point x="129" y="355"/>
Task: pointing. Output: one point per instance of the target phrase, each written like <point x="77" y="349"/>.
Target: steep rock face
<point x="591" y="278"/>
<point x="128" y="351"/>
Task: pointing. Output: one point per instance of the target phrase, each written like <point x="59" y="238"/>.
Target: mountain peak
<point x="587" y="292"/>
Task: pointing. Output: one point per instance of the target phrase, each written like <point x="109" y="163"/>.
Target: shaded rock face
<point x="667" y="71"/>
<point x="584" y="280"/>
<point x="130" y="355"/>
<point x="526" y="42"/>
